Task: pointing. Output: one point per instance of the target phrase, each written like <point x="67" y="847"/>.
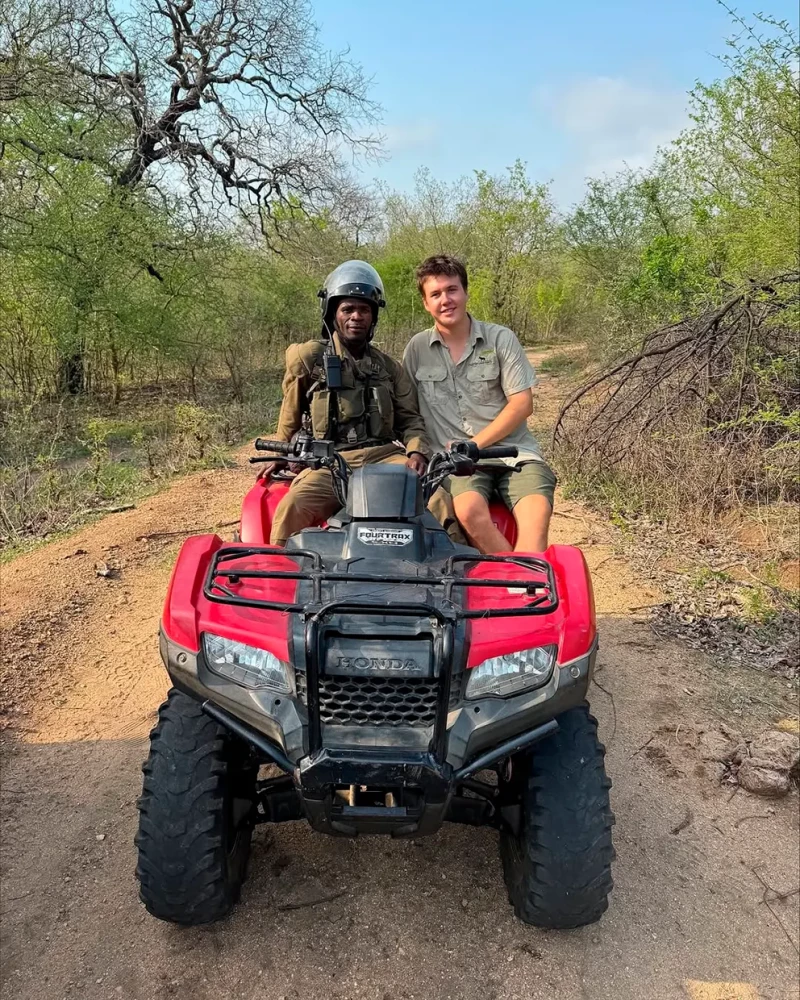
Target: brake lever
<point x="494" y="468"/>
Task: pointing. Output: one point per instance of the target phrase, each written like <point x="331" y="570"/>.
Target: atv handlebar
<point x="470" y="450"/>
<point x="460" y="459"/>
<point x="280" y="447"/>
<point x="499" y="451"/>
<point x="312" y="453"/>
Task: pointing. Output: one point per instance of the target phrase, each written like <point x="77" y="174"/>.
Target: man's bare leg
<point x="473" y="513"/>
<point x="532" y="514"/>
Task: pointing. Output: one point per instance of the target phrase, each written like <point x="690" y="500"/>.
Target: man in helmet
<point x="374" y="408"/>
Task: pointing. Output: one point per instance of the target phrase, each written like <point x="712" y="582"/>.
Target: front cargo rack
<point x="439" y="608"/>
<point x="544" y="597"/>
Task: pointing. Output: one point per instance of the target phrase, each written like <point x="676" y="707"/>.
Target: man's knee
<point x="532" y="514"/>
<point x="472" y="511"/>
<point x="535" y="506"/>
<point x="310" y="501"/>
<point x="287" y="519"/>
<point x="294" y="517"/>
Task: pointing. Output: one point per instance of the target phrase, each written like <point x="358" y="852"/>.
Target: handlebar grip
<point x="500" y="451"/>
<point x="279" y="447"/>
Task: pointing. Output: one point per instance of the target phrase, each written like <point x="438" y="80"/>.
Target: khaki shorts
<point x="533" y="478"/>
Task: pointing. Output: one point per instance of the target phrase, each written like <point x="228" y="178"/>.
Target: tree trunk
<point x="72" y="376"/>
<point x="116" y="372"/>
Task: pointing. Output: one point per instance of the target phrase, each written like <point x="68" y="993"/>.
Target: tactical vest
<point x="364" y="410"/>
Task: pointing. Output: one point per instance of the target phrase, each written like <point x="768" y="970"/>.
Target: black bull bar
<point x="324" y="768"/>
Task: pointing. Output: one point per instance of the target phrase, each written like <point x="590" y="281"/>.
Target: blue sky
<point x="574" y="88"/>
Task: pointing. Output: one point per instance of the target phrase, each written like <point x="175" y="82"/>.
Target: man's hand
<point x="270" y="468"/>
<point x="417" y="463"/>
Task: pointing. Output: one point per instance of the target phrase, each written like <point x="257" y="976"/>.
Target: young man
<point x="375" y="408"/>
<point x="474" y="381"/>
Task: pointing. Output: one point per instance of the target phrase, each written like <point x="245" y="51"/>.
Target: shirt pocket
<point x="431" y="382"/>
<point x="484" y="381"/>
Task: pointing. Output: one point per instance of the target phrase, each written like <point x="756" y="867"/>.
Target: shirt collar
<point x="475" y="333"/>
<point x="343" y="352"/>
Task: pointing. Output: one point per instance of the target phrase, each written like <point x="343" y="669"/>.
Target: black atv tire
<point x="558" y="867"/>
<point x="195" y="816"/>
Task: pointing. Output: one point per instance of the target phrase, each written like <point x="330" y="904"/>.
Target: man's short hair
<point x="438" y="265"/>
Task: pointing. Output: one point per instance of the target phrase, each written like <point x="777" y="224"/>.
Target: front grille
<point x="344" y="699"/>
<point x="375" y="701"/>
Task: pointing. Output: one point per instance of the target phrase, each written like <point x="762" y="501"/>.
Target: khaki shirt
<point x="459" y="400"/>
<point x="304" y="366"/>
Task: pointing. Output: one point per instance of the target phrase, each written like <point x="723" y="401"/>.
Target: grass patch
<point x="621" y="501"/>
<point x="704" y="575"/>
<point x="561" y="364"/>
<point x="759" y="606"/>
<point x="61" y="464"/>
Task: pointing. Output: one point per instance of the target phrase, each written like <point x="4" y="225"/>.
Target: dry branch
<point x="715" y="390"/>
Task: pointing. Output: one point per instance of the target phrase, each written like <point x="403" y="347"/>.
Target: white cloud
<point x="410" y="135"/>
<point x="611" y="122"/>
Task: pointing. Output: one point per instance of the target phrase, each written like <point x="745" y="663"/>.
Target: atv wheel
<point x="558" y="866"/>
<point x="194" y="816"/>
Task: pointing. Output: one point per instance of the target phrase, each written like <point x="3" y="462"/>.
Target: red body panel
<point x="571" y="626"/>
<point x="187" y="613"/>
<point x="258" y="509"/>
<point x="503" y="520"/>
<point x="260" y="501"/>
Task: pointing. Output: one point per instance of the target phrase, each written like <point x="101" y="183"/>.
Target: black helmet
<point x="355" y="279"/>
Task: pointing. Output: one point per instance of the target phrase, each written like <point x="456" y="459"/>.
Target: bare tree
<point x="232" y="102"/>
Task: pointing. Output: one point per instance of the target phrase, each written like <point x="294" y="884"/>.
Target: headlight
<point x="506" y="675"/>
<point x="246" y="665"/>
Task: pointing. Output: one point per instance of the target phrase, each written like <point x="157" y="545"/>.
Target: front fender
<point x="188" y="612"/>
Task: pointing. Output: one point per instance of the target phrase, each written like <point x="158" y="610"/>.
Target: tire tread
<point x="185" y="876"/>
<point x="558" y="870"/>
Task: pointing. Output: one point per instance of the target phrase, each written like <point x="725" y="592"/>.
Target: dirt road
<point x="426" y="919"/>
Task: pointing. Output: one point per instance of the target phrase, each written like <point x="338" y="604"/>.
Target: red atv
<point x="397" y="681"/>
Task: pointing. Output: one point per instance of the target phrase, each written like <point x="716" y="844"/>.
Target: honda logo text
<point x="378" y="665"/>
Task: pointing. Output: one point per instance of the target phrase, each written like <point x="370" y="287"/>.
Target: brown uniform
<point x="376" y="408"/>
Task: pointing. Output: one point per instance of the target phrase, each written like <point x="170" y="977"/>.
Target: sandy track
<point x="425" y="919"/>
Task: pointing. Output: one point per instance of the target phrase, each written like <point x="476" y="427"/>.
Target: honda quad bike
<point x="394" y="680"/>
